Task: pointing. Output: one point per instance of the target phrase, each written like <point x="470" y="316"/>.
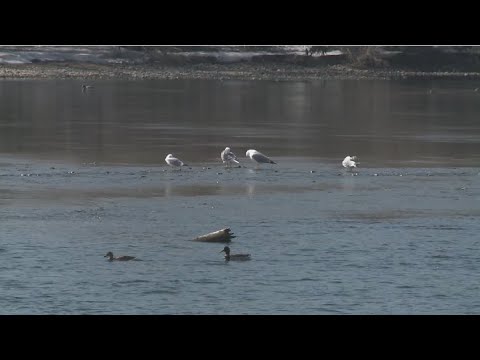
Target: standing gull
<point x="349" y="162"/>
<point x="258" y="157"/>
<point x="173" y="161"/>
<point x="228" y="157"/>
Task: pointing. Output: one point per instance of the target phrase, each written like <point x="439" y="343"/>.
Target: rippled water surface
<point x="83" y="173"/>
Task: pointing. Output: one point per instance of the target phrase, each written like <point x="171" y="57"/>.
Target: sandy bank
<point x="238" y="71"/>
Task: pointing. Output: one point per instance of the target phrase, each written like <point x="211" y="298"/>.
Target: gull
<point x="258" y="157"/>
<point x="349" y="162"/>
<point x="173" y="161"/>
<point x="228" y="157"/>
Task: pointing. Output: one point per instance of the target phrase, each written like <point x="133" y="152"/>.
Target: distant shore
<point x="233" y="71"/>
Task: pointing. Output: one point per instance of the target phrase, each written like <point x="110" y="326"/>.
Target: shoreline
<point x="213" y="71"/>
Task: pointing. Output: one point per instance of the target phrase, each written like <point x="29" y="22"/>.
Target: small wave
<point x="136" y="281"/>
<point x="159" y="291"/>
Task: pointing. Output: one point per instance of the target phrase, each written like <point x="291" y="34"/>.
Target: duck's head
<point x="109" y="254"/>
<point x="227" y="149"/>
<point x="226" y="250"/>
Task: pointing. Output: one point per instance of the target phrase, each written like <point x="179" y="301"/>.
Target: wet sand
<point x="238" y="71"/>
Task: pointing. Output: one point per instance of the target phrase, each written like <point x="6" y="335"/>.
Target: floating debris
<point x="224" y="235"/>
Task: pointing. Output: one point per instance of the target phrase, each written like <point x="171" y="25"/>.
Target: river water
<point x="83" y="173"/>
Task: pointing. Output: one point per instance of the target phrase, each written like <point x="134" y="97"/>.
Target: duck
<point x="258" y="157"/>
<point x="119" y="258"/>
<point x="87" y="87"/>
<point x="237" y="257"/>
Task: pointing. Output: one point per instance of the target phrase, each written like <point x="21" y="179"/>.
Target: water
<point x="83" y="173"/>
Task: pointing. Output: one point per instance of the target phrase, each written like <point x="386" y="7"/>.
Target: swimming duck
<point x="238" y="257"/>
<point x="119" y="258"/>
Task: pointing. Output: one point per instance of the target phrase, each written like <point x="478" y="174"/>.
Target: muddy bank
<point x="239" y="71"/>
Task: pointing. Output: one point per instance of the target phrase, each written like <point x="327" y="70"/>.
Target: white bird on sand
<point x="173" y="161"/>
<point x="228" y="157"/>
<point x="349" y="162"/>
<point x="258" y="157"/>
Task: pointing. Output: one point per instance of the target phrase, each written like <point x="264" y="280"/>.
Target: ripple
<point x="160" y="291"/>
<point x="135" y="281"/>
